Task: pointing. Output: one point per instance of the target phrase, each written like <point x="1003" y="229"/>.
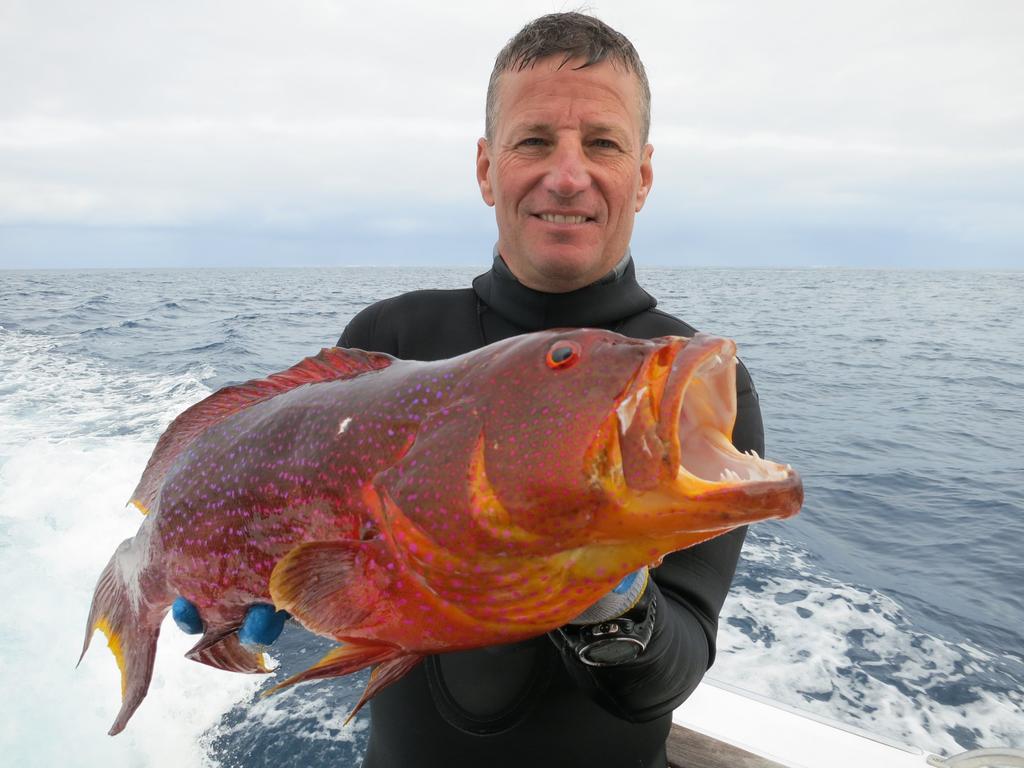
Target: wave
<point x="54" y="393"/>
<point x="791" y="632"/>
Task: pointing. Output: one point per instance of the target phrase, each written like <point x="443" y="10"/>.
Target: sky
<point x="318" y="133"/>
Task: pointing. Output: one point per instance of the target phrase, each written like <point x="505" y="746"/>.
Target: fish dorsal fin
<point x="331" y="364"/>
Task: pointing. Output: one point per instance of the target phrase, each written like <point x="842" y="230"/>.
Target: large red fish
<point x="407" y="508"/>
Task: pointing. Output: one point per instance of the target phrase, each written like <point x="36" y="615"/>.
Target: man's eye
<point x="533" y="141"/>
<point x="605" y="144"/>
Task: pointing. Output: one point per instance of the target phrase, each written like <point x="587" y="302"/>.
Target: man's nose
<point x="569" y="174"/>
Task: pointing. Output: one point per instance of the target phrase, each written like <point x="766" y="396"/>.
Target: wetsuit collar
<point x="615" y="296"/>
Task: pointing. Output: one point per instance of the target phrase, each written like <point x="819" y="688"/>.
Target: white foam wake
<point x="67" y="470"/>
<point x="49" y="394"/>
<point x="800" y="637"/>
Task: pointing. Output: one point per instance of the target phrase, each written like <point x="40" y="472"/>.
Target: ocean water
<point x="894" y="601"/>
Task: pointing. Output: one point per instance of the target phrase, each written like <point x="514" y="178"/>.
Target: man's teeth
<point x="554" y="218"/>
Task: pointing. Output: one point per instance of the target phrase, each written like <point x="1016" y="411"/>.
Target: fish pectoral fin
<point x="223" y="650"/>
<point x="392" y="663"/>
<point x="333" y="585"/>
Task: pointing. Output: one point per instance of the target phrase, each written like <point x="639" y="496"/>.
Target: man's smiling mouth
<point x="554" y="218"/>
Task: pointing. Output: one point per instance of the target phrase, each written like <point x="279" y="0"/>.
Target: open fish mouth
<point x="668" y="442"/>
<point x="697" y="414"/>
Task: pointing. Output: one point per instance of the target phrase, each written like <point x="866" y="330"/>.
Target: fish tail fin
<point x="131" y="624"/>
<point x="391" y="664"/>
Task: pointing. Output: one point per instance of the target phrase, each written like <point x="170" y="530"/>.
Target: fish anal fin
<point x="383" y="675"/>
<point x="331" y="364"/>
<point x="343" y="660"/>
<point x="223" y="650"/>
<point x="333" y="585"/>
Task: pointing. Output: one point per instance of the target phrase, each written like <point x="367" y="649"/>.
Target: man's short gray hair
<point x="572" y="36"/>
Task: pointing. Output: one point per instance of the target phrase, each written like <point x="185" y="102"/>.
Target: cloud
<point x="303" y="116"/>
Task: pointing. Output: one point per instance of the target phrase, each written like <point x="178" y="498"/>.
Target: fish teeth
<point x="728" y="475"/>
<point x="344" y="425"/>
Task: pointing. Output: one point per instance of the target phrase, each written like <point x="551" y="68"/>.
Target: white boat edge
<point x="787" y="735"/>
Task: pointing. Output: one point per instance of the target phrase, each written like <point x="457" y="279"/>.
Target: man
<point x="566" y="165"/>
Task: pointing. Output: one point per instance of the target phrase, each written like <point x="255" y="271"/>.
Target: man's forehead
<point x="553" y="71"/>
<point x="604" y="94"/>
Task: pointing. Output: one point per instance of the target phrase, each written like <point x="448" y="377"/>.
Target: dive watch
<point x="615" y="641"/>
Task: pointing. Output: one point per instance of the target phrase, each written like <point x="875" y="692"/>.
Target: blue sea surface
<point x="894" y="601"/>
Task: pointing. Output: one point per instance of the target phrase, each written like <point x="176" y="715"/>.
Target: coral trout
<point x="407" y="508"/>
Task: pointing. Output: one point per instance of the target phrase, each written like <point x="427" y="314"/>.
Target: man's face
<point x="565" y="171"/>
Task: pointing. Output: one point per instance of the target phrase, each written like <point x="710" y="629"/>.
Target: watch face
<point x="610" y="651"/>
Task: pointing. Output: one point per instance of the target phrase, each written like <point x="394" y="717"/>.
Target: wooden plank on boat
<point x="691" y="749"/>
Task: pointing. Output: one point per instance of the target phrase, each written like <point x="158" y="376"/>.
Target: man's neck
<point x="611" y="276"/>
<point x="600" y="304"/>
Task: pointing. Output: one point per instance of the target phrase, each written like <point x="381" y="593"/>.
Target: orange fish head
<point x="591" y="436"/>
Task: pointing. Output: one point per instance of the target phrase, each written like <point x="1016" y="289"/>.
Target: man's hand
<point x="261" y="626"/>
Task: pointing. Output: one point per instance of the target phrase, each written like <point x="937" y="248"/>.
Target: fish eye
<point x="563" y="354"/>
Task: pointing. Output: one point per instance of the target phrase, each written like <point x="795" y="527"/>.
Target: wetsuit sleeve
<point x="420" y="325"/>
<point x="691" y="586"/>
<point x="359" y="330"/>
<point x="364" y="331"/>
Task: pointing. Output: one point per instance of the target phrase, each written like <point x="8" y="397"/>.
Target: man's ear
<point x="483" y="166"/>
<point x="646" y="176"/>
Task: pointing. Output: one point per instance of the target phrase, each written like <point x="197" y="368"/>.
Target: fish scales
<point x="406" y="508"/>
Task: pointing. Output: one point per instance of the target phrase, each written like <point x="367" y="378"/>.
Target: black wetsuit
<point x="528" y="704"/>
